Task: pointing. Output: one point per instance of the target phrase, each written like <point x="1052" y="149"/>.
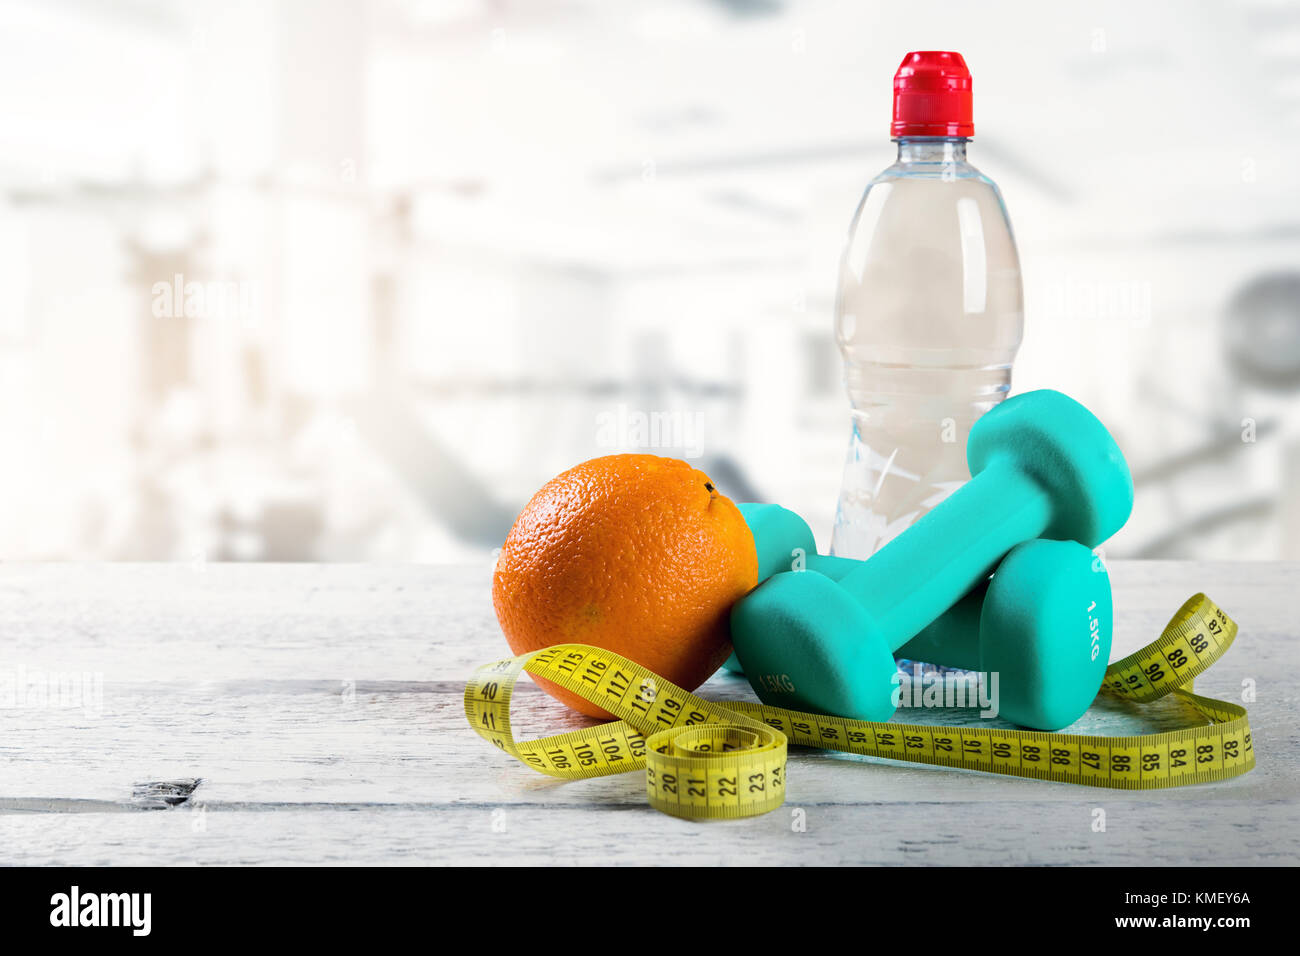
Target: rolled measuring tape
<point x="712" y="760"/>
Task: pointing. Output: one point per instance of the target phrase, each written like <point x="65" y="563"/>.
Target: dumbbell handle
<point x="952" y="639"/>
<point x="784" y="542"/>
<point x="929" y="567"/>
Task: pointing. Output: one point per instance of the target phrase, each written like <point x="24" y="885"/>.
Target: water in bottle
<point x="929" y="311"/>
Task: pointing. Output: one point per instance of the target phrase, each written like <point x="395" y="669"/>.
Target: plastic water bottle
<point x="929" y="312"/>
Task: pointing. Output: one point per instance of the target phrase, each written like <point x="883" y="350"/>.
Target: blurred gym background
<point x="298" y="280"/>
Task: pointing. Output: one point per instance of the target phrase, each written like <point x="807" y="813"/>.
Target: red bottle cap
<point x="932" y="96"/>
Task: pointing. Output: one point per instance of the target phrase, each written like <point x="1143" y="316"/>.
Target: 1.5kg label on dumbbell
<point x="1094" y="626"/>
<point x="708" y="759"/>
<point x="777" y="683"/>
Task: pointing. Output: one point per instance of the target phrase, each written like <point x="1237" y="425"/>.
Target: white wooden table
<point x="318" y="707"/>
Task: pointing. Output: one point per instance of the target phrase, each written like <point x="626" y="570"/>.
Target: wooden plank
<point x="472" y="833"/>
<point x="318" y="709"/>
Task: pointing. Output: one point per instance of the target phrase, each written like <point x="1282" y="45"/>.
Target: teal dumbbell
<point x="781" y="538"/>
<point x="1043" y="623"/>
<point x="1043" y="467"/>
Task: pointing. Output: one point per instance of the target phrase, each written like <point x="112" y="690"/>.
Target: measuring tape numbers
<point x="713" y="760"/>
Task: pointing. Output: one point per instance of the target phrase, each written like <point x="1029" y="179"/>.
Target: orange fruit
<point x="636" y="554"/>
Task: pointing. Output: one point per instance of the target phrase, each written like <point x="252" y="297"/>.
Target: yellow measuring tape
<point x="708" y="759"/>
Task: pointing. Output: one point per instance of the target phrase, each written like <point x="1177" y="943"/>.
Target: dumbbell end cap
<point x="777" y="532"/>
<point x="1069" y="452"/>
<point x="806" y="645"/>
<point x="1046" y="630"/>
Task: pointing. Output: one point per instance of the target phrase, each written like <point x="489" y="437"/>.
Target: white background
<point x="453" y="235"/>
